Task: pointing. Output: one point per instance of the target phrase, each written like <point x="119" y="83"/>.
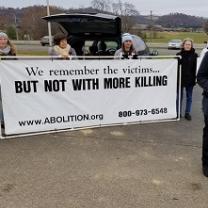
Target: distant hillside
<point x="175" y="20"/>
<point x="180" y="20"/>
<point x="27" y="21"/>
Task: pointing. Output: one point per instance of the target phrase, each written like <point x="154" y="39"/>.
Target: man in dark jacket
<point x="188" y="73"/>
<point x="202" y="78"/>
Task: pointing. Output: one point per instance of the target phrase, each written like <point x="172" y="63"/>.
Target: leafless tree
<point x="101" y="5"/>
<point x="126" y="11"/>
<point x="32" y="24"/>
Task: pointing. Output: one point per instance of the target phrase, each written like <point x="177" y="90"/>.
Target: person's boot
<point x="205" y="170"/>
<point x="188" y="116"/>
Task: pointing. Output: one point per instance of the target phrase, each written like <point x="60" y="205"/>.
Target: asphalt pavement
<point x="132" y="166"/>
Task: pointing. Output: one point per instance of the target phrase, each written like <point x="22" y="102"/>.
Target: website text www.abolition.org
<point x="61" y="119"/>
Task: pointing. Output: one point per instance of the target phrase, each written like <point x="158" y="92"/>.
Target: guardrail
<point x="26" y="42"/>
<point x="165" y="45"/>
<point x="150" y="44"/>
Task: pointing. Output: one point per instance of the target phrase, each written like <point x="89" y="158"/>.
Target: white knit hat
<point x="126" y="37"/>
<point x="4" y="35"/>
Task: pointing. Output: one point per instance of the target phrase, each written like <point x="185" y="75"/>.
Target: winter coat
<point x="188" y="67"/>
<point x="202" y="80"/>
<point x="53" y="52"/>
<point x="202" y="76"/>
<point x="11" y="53"/>
<point x="120" y="54"/>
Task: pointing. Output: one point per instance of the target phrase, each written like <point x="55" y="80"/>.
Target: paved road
<point x="136" y="166"/>
<point x="31" y="47"/>
<point x="162" y="48"/>
<point x="165" y="51"/>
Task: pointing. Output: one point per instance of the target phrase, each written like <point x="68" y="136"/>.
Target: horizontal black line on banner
<point x="4" y="58"/>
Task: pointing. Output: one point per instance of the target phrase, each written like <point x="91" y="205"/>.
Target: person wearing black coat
<point x="188" y="74"/>
<point x="202" y="79"/>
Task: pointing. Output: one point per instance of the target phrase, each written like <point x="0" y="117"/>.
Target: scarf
<point x="62" y="51"/>
<point x="5" y="51"/>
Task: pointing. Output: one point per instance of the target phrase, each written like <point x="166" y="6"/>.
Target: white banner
<point x="44" y="95"/>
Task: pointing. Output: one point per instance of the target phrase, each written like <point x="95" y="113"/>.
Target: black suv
<point x="94" y="34"/>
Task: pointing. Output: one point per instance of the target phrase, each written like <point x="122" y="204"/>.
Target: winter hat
<point x="126" y="37"/>
<point x="3" y="35"/>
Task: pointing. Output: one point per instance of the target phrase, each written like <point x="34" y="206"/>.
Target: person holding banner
<point x="188" y="74"/>
<point x="6" y="47"/>
<point x="202" y="79"/>
<point x="127" y="51"/>
<point x="62" y="48"/>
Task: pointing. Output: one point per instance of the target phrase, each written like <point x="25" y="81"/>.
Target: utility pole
<point x="49" y="24"/>
<point x="151" y="25"/>
<point x="16" y="27"/>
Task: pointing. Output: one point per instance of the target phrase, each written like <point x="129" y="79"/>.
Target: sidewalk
<point x="137" y="166"/>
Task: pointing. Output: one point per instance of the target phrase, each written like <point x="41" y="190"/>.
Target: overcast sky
<point x="192" y="7"/>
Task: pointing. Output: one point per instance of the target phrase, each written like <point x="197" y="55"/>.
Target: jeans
<point x="189" y="92"/>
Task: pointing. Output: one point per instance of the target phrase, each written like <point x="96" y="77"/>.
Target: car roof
<point x="98" y="15"/>
<point x="88" y="24"/>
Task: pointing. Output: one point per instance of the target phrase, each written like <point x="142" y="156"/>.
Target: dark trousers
<point x="205" y="143"/>
<point x="189" y="93"/>
<point x="205" y="132"/>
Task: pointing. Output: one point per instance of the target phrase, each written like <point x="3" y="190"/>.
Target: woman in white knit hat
<point x="127" y="51"/>
<point x="6" y="47"/>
